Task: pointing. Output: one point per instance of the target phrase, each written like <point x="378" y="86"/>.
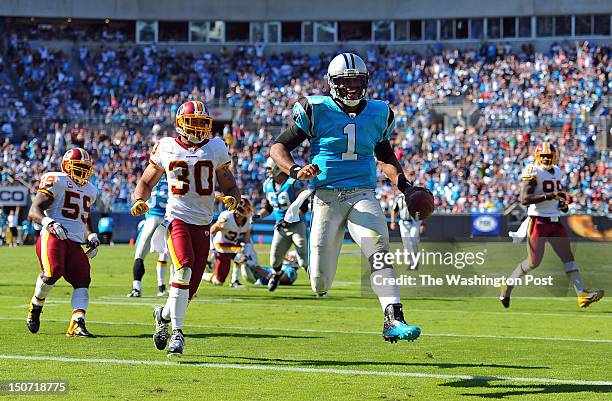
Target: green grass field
<point x="255" y="345"/>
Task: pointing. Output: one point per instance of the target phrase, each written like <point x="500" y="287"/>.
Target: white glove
<point x="54" y="228"/>
<point x="92" y="244"/>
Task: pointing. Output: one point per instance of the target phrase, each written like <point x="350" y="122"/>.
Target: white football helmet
<point x="347" y="76"/>
<point x="272" y="167"/>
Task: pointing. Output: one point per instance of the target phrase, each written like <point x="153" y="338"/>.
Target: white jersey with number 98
<point x="546" y="182"/>
<point x="191" y="177"/>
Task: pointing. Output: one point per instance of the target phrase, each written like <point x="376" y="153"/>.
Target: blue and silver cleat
<point x="396" y="328"/>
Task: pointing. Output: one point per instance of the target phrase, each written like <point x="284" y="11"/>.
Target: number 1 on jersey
<point x="350" y="131"/>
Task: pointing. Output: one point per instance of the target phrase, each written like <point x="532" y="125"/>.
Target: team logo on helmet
<point x="244" y="208"/>
<point x="546" y="154"/>
<point x="193" y="121"/>
<point x="77" y="164"/>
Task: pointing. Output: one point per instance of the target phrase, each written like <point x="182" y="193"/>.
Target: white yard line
<point x="324" y="331"/>
<point x="349" y="372"/>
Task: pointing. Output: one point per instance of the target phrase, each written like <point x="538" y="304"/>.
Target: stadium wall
<point x="264" y="10"/>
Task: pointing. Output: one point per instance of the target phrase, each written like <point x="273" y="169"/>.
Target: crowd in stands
<point x="133" y="92"/>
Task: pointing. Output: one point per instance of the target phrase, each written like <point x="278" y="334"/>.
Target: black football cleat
<point x="395" y="327"/>
<point x="160" y="337"/>
<point x="504" y="296"/>
<point x="33" y="320"/>
<point x="274" y="281"/>
<point x="134" y="293"/>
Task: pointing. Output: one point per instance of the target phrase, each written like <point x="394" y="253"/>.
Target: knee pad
<point x="182" y="275"/>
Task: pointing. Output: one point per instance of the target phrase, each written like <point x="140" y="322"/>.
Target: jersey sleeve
<point x="50" y="185"/>
<point x="390" y="125"/>
<point x="529" y="174"/>
<point x="302" y="115"/>
<point x="222" y="156"/>
<point x="156" y="159"/>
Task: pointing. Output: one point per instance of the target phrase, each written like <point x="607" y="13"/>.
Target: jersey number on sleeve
<point x="183" y="177"/>
<point x="72" y="207"/>
<point x="350" y="132"/>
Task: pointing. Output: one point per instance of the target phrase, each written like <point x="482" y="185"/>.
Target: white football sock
<point x="178" y="300"/>
<point x="571" y="270"/>
<point x="161" y="273"/>
<point x="41" y="290"/>
<point x="235" y="274"/>
<point x="166" y="310"/>
<point x="137" y="285"/>
<point x="79" y="301"/>
<point x="521" y="269"/>
<point x="387" y="293"/>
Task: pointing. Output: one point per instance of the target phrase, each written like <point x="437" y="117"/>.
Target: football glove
<point x="229" y="201"/>
<point x="92" y="245"/>
<point x="55" y="228"/>
<point x="139" y="207"/>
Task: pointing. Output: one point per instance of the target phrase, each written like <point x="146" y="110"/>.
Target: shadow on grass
<point x="503" y="389"/>
<point x="326" y="363"/>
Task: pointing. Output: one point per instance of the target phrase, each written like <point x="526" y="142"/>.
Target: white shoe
<point x="237" y="284"/>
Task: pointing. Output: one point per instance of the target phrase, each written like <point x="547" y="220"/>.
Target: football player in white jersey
<point x="410" y="228"/>
<point x="195" y="164"/>
<point x="231" y="231"/>
<point x="542" y="190"/>
<point x="62" y="207"/>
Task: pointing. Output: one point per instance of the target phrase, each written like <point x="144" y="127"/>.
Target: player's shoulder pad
<point x="224" y="216"/>
<point x="529" y="173"/>
<point x="317" y="99"/>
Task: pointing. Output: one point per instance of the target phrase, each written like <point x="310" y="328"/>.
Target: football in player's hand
<point x="420" y="204"/>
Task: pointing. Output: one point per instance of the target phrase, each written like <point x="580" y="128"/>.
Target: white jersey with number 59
<point x="546" y="182"/>
<point x="191" y="177"/>
<point x="71" y="203"/>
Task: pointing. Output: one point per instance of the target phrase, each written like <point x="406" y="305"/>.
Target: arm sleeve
<point x="390" y="125"/>
<point x="156" y="159"/>
<point x="268" y="206"/>
<point x="223" y="156"/>
<point x="383" y="151"/>
<point x="292" y="137"/>
<point x="529" y="174"/>
<point x="50" y="186"/>
<point x="302" y="115"/>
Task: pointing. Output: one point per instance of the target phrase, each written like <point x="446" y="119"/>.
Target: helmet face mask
<point x="193" y="122"/>
<point x="77" y="164"/>
<point x="272" y="168"/>
<point x="546" y="155"/>
<point x="347" y="76"/>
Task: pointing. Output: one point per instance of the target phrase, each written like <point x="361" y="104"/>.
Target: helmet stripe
<point x="346" y="60"/>
<point x="352" y="59"/>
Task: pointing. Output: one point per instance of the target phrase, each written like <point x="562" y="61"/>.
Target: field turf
<point x="254" y="345"/>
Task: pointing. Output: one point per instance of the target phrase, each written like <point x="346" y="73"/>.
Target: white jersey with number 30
<point x="546" y="182"/>
<point x="191" y="177"/>
<point x="231" y="234"/>
<point x="71" y="203"/>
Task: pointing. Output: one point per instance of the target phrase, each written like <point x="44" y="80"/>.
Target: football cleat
<point x="160" y="338"/>
<point x="503" y="297"/>
<point x="587" y="297"/>
<point x="134" y="293"/>
<point x="33" y="320"/>
<point x="395" y="327"/>
<point x="177" y="343"/>
<point x="258" y="283"/>
<point x="161" y="290"/>
<point x="77" y="328"/>
<point x="274" y="281"/>
<point x="237" y="284"/>
<point x="322" y="294"/>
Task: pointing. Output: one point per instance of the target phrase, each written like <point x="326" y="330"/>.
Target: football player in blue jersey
<point x="280" y="191"/>
<point x="157" y="209"/>
<point x="348" y="134"/>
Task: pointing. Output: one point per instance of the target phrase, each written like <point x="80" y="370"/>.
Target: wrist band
<point x="294" y="170"/>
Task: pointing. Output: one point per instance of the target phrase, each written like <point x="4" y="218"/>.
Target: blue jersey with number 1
<point x="342" y="144"/>
<point x="159" y="198"/>
<point x="283" y="197"/>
